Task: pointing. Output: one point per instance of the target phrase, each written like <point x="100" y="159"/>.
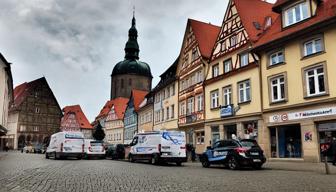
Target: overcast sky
<point x="76" y="43"/>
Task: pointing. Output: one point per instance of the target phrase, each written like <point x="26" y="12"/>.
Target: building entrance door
<point x="230" y="130"/>
<point x="327" y="131"/>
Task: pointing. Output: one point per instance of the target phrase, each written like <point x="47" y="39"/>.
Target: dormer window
<point x="233" y="40"/>
<point x="297" y="13"/>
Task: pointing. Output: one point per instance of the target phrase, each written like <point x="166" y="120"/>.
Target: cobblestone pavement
<point x="32" y="172"/>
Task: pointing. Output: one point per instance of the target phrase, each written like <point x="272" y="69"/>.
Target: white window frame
<point x="277" y="86"/>
<point x="291" y="12"/>
<point x="315" y="76"/>
<point x="214" y="96"/>
<point x="245" y="89"/>
<point x="200" y="137"/>
<point x="190" y="105"/>
<point x="313" y="42"/>
<point x="199" y="102"/>
<point x="227" y="95"/>
<point x="244" y="59"/>
<point x="233" y="40"/>
<point x="229" y="63"/>
<point x="215" y="70"/>
<point x="276" y="55"/>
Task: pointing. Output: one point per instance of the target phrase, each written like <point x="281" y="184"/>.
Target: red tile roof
<point x="23" y="90"/>
<point x="80" y="116"/>
<point x="325" y="11"/>
<point x="206" y="35"/>
<point x="138" y="97"/>
<point x="119" y="104"/>
<point x="251" y="11"/>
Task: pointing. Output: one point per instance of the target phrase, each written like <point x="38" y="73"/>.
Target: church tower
<point x="131" y="73"/>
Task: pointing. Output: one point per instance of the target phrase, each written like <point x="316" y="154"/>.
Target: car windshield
<point x="249" y="143"/>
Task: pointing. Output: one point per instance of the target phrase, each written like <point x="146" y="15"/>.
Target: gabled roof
<point x="206" y="35"/>
<point x="119" y="104"/>
<point x="80" y="116"/>
<point x="326" y="11"/>
<point x="251" y="11"/>
<point x="138" y="96"/>
<point x="23" y="90"/>
<point x="167" y="77"/>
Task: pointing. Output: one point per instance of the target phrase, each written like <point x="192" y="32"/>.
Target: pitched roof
<point x="23" y="90"/>
<point x="119" y="104"/>
<point x="325" y="11"/>
<point x="138" y="97"/>
<point x="80" y="116"/>
<point x="206" y="35"/>
<point x="251" y="11"/>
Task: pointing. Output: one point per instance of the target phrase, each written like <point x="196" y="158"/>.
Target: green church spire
<point x="132" y="47"/>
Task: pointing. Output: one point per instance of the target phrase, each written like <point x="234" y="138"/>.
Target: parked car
<point x="93" y="148"/>
<point x="27" y="149"/>
<point x="38" y="148"/>
<point x="234" y="154"/>
<point x="66" y="144"/>
<point x="115" y="151"/>
<point x="159" y="146"/>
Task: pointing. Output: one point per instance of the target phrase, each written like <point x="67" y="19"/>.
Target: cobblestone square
<point x="32" y="172"/>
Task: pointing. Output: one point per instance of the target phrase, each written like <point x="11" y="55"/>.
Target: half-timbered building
<point x="75" y="120"/>
<point x="34" y="115"/>
<point x="232" y="86"/>
<point x="198" y="41"/>
<point x="111" y="118"/>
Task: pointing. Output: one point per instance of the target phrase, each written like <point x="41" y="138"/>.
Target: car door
<point x="218" y="152"/>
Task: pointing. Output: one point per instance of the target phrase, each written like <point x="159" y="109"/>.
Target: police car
<point x="234" y="154"/>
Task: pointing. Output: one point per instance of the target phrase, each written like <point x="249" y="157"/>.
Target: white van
<point x="66" y="144"/>
<point x="160" y="146"/>
<point x="93" y="148"/>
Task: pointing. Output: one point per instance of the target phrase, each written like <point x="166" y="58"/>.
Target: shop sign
<point x="226" y="111"/>
<point x="302" y="115"/>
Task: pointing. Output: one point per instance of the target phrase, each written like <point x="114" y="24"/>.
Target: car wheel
<point x="179" y="163"/>
<point x="257" y="166"/>
<point x="130" y="158"/>
<point x="232" y="163"/>
<point x="205" y="163"/>
<point x="155" y="159"/>
<point x="46" y="155"/>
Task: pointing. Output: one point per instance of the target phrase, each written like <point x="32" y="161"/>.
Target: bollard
<point x="326" y="164"/>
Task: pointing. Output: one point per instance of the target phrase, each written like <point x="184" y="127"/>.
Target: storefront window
<point x="251" y="130"/>
<point x="327" y="131"/>
<point x="230" y="130"/>
<point x="200" y="138"/>
<point x="214" y="134"/>
<point x="288" y="141"/>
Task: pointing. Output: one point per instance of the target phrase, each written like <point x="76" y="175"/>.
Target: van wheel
<point x="232" y="163"/>
<point x="130" y="158"/>
<point x="46" y="155"/>
<point x="155" y="159"/>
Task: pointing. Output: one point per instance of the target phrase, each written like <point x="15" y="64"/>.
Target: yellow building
<point x="232" y="86"/>
<point x="297" y="68"/>
<point x="145" y="114"/>
<point x="196" y="49"/>
<point x="166" y="100"/>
